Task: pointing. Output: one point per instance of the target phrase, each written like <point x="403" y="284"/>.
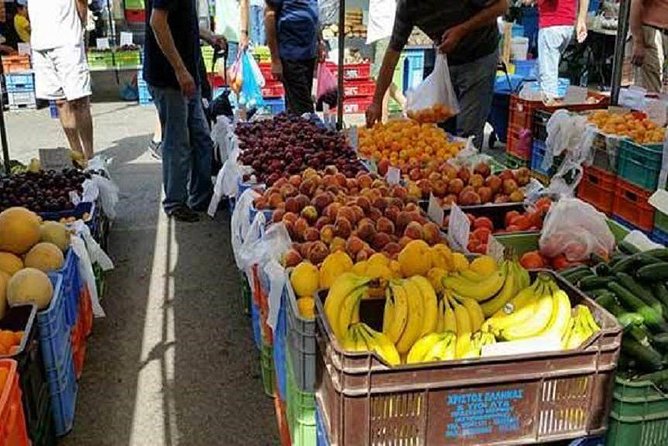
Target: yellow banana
<point x="476" y="315"/>
<point x="349" y="341"/>
<point x="440" y="320"/>
<point x="478" y="340"/>
<point x="463" y="328"/>
<point x="588" y="318"/>
<point x="380" y="344"/>
<point x="349" y="312"/>
<point x="535" y="324"/>
<point x="429" y="304"/>
<point x="421" y="347"/>
<point x="561" y="316"/>
<point x="344" y="285"/>
<point x="480" y="291"/>
<point x="415" y="317"/>
<point x="471" y="275"/>
<point x="360" y="343"/>
<point x="449" y="319"/>
<point x="509" y="290"/>
<point x="388" y="311"/>
<point x="525" y="280"/>
<point x="579" y="334"/>
<point x="443" y="349"/>
<point x="400" y="315"/>
<point x="510" y="312"/>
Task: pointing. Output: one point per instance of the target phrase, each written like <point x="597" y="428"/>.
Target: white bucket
<point x="519" y="47"/>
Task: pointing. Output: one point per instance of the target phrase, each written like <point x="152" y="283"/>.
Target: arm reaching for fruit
<point x="374" y="112"/>
<point x="270" y="20"/>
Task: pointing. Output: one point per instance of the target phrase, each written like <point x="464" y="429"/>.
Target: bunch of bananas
<point x="491" y="291"/>
<point x="362" y="338"/>
<point x="343" y="302"/>
<point x="580" y="328"/>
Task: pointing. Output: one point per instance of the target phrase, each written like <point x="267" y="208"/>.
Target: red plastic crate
<point x="273" y="89"/>
<point x="352" y="71"/>
<point x="216" y="80"/>
<point x="81" y="330"/>
<point x="261" y="299"/>
<point x="135" y="15"/>
<point x="631" y="205"/>
<point x="14" y="64"/>
<point x="354" y="88"/>
<point x="356" y="104"/>
<point x="598" y="189"/>
<point x="265" y="69"/>
<point x="86" y="311"/>
<point x="13" y="430"/>
<point x="518" y="142"/>
<point x="282" y="420"/>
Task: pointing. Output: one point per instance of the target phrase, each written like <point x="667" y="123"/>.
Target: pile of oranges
<point x="407" y="143"/>
<point x="434" y="114"/>
<point x="10" y="341"/>
<point x="634" y="125"/>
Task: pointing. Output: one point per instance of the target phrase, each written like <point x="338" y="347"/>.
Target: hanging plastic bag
<point x="576" y="230"/>
<point x="235" y="77"/>
<point x="87" y="274"/>
<point x="257" y="73"/>
<point x="251" y="91"/>
<point x="240" y="222"/>
<point x="108" y="192"/>
<point x="434" y="99"/>
<point x="276" y="274"/>
<point x="327" y="92"/>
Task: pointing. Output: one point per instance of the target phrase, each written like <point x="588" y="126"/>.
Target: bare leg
<point x="68" y="121"/>
<point x="84" y="123"/>
<point x="157" y="132"/>
<point x="386" y="103"/>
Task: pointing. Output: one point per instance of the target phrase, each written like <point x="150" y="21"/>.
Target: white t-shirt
<point x="381" y="19"/>
<point x="54" y="24"/>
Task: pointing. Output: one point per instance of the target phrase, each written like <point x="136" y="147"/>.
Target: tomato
<point x="473" y="245"/>
<point x="535" y="218"/>
<point x="560" y="262"/>
<point x="522" y="222"/>
<point x="513" y="228"/>
<point x="481" y="234"/>
<point x="532" y="260"/>
<point x="543" y="204"/>
<point x="509" y="216"/>
<point x="471" y="218"/>
<point x="483" y="222"/>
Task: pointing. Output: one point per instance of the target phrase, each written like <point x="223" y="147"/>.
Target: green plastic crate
<point x="134" y="4"/>
<point x="514" y="162"/>
<point x="100" y="281"/>
<point x="100" y="59"/>
<point x="661" y="221"/>
<point x="246" y="294"/>
<point x="639" y="415"/>
<point x="300" y="410"/>
<point x="127" y="58"/>
<point x="267" y="366"/>
<point x="640" y="164"/>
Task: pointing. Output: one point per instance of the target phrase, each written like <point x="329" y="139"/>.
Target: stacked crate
<point x="273" y="92"/>
<point x="135" y="11"/>
<point x="358" y="88"/>
<point x="142" y="88"/>
<point x="538" y="148"/>
<point x="20" y="90"/>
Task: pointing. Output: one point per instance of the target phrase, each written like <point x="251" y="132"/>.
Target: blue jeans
<point x="256" y="19"/>
<point x="552" y="42"/>
<point x="187" y="149"/>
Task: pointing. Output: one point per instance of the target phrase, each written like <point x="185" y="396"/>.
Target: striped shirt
<point x="433" y="17"/>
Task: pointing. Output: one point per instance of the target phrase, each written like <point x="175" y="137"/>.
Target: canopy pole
<point x="620" y="47"/>
<point x="342" y="43"/>
<point x="3" y="138"/>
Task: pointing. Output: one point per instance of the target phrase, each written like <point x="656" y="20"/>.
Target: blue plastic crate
<point x="517" y="30"/>
<point x="498" y="115"/>
<point x="71" y="286"/>
<point x="320" y="428"/>
<point x="280" y="366"/>
<point x="274" y="106"/>
<point x="255" y="322"/>
<point x="413" y="68"/>
<point x="526" y="68"/>
<point x="639" y="164"/>
<point x="63" y="394"/>
<point x="659" y="236"/>
<point x="54" y="333"/>
<point x="20" y="82"/>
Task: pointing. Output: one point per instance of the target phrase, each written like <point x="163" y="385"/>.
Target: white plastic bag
<point x="436" y="89"/>
<point x="108" y="195"/>
<point x="227" y="182"/>
<point x="262" y="246"/>
<point x="577" y="230"/>
<point x="276" y="274"/>
<point x="87" y="275"/>
<point x="240" y="222"/>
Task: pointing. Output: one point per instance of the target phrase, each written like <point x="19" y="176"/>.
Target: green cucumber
<point x="633" y="303"/>
<point x="625" y="318"/>
<point x="578" y="276"/>
<point x="659" y="253"/>
<point x="659" y="378"/>
<point x="627" y="247"/>
<point x="639" y="334"/>
<point x="573" y="269"/>
<point x="602" y="269"/>
<point x="660" y="341"/>
<point x="645" y="357"/>
<point x="623" y="264"/>
<point x="634" y="261"/>
<point x="660" y="291"/>
<point x="657" y="272"/>
<point x="646" y="295"/>
<point x="592" y="282"/>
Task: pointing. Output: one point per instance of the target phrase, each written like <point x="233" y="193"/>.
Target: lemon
<point x="306" y="307"/>
<point x="459" y="261"/>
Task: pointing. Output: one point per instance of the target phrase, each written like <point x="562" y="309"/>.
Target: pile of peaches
<point x="634" y="125"/>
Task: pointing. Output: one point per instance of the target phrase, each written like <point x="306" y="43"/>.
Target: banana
<point x="478" y="340"/>
<point x="421" y="347"/>
<point x="429" y="304"/>
<point x="440" y="320"/>
<point x="388" y="311"/>
<point x="349" y="341"/>
<point x="509" y="290"/>
<point x="520" y="308"/>
<point x="344" y="285"/>
<point x="525" y="280"/>
<point x="449" y="319"/>
<point x="415" y="317"/>
<point x="349" y="312"/>
<point x="588" y="318"/>
<point x="443" y="349"/>
<point x="472" y="275"/>
<point x="535" y="324"/>
<point x="476" y="315"/>
<point x="360" y="343"/>
<point x="480" y="291"/>
<point x="380" y="344"/>
<point x="463" y="328"/>
<point x="579" y="334"/>
<point x="400" y="315"/>
<point x="561" y="316"/>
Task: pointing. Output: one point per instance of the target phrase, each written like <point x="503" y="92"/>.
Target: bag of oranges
<point x="434" y="100"/>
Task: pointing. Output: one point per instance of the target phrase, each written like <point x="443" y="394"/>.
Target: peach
<point x="403" y="219"/>
<point x="379" y="203"/>
<point x="414" y="231"/>
<point x="464" y="174"/>
<point x="469" y="198"/>
<point x="359" y="213"/>
<point x="399" y="192"/>
<point x="302" y="201"/>
<point x="288" y="190"/>
<point x="343" y="227"/>
<point x="412" y="207"/>
<point x="327" y="233"/>
<point x="337" y="244"/>
<point x="278" y="215"/>
<point x="261" y="203"/>
<point x="322" y="222"/>
<point x="502" y="198"/>
<point x="455" y="186"/>
<point x="380" y="240"/>
<point x="318" y="252"/>
<point x="494" y="183"/>
<point x="322" y="200"/>
<point x="374" y="213"/>
<point x="311" y="235"/>
<point x="292" y="258"/>
<point x="330" y="169"/>
<point x="509" y="186"/>
<point x="476" y="180"/>
<point x="290" y="217"/>
<point x="332" y="210"/>
<point x="440" y="188"/>
<point x="431" y="233"/>
<point x="363" y="202"/>
<point x="308" y="187"/>
<point x="392" y="212"/>
<point x="364" y="180"/>
<point x="517" y="196"/>
<point x="385" y="225"/>
<point x="310" y="214"/>
<point x="366" y="230"/>
<point x="482" y="169"/>
<point x="300" y="227"/>
<point x="486" y="194"/>
<point x="340" y="179"/>
<point x="274" y="200"/>
<point x="348" y="213"/>
<point x="393" y="249"/>
<point x="354" y="245"/>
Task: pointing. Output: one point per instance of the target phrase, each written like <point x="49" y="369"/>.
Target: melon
<point x="4" y="279"/>
<point x="45" y="256"/>
<point x="19" y="230"/>
<point x="10" y="263"/>
<point x="56" y="233"/>
<point x="30" y="285"/>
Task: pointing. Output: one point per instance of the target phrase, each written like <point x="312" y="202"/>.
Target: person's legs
<point x="156" y="140"/>
<point x="298" y="83"/>
<point x="648" y="75"/>
<point x="200" y="187"/>
<point x="474" y="85"/>
<point x="84" y="124"/>
<point x="68" y="121"/>
<point x="172" y="109"/>
<point x="551" y="42"/>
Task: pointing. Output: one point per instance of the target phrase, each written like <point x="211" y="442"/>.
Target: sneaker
<point x="155" y="149"/>
<point x="184" y="214"/>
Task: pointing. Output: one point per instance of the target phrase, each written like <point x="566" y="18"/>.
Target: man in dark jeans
<point x="294" y="41"/>
<point x="171" y="61"/>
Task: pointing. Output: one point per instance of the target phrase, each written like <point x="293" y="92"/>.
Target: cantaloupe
<point x="4" y="279"/>
<point x="19" y="230"/>
<point x="30" y="285"/>
<point x="56" y="233"/>
<point x="10" y="263"/>
<point x="44" y="256"/>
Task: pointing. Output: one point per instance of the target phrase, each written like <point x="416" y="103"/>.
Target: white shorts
<point x="61" y="73"/>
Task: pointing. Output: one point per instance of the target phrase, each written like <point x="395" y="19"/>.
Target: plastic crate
<point x="63" y="392"/>
<point x="14" y="64"/>
<point x="518" y="399"/>
<point x="355" y="88"/>
<point x="526" y="68"/>
<point x="320" y="428"/>
<point x="131" y="58"/>
<point x="100" y="59"/>
<point x="352" y="71"/>
<point x="273" y="89"/>
<point x="639" y="414"/>
<point x="54" y="332"/>
<point x="275" y="106"/>
<point x="261" y="299"/>
<point x="135" y="15"/>
<point x="301" y="412"/>
<point x="32" y="380"/>
<point x="78" y="212"/>
<point x="513" y="162"/>
<point x="301" y="343"/>
<point x="245" y="294"/>
<point x="20" y="82"/>
<point x="18" y="99"/>
<point x="356" y="104"/>
<point x="265" y="69"/>
<point x="498" y="115"/>
<point x="413" y="68"/>
<point x="134" y="4"/>
<point x="598" y="189"/>
<point x="144" y="94"/>
<point x="631" y="205"/>
<point x="255" y="323"/>
<point x="71" y="286"/>
<point x="519" y="142"/>
<point x="659" y="236"/>
<point x="13" y="431"/>
<point x="280" y="356"/>
<point x="640" y="165"/>
<point x="538" y="155"/>
<point x="605" y="150"/>
<point x="267" y="367"/>
<point x="79" y="334"/>
<point x="539" y="130"/>
<point x="282" y="421"/>
<point x="661" y="221"/>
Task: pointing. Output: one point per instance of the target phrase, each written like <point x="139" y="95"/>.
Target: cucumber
<point x="605" y="299"/>
<point x="660" y="341"/>
<point x="592" y="282"/>
<point x="623" y="264"/>
<point x="659" y="378"/>
<point x="625" y="318"/>
<point x="599" y="292"/>
<point x="660" y="253"/>
<point x="646" y="295"/>
<point x="574" y="269"/>
<point x="657" y="272"/>
<point x="579" y="275"/>
<point x="602" y="269"/>
<point x="629" y="301"/>
<point x="660" y="291"/>
<point x="645" y="357"/>
<point x="639" y="334"/>
<point x="627" y="247"/>
<point x="632" y="262"/>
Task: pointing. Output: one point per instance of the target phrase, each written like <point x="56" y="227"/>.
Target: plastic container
<point x="80" y="333"/>
<point x="320" y="428"/>
<point x="134" y="4"/>
<point x="631" y="205"/>
<point x="275" y="106"/>
<point x="301" y="413"/>
<point x="100" y="59"/>
<point x="54" y="333"/>
<point x="273" y="89"/>
<point x="21" y="100"/>
<point x="13" y="64"/>
<point x="255" y="323"/>
<point x="127" y="58"/>
<point x="282" y="421"/>
<point x="301" y="343"/>
<point x="598" y="189"/>
<point x="639" y="414"/>
<point x="13" y="431"/>
<point x="85" y="207"/>
<point x="20" y="82"/>
<point x="63" y="392"/>
<point x="135" y="15"/>
<point x="71" y="286"/>
<point x="359" y="88"/>
<point x="513" y="162"/>
<point x="640" y="165"/>
<point x="519" y="399"/>
<point x="539" y="130"/>
<point x="661" y="221"/>
<point x="357" y="104"/>
<point x="659" y="236"/>
<point x="267" y="367"/>
<point x="519" y="143"/>
<point x="352" y="71"/>
<point x="280" y="350"/>
<point x="526" y="68"/>
<point x="537" y="157"/>
<point x="519" y="48"/>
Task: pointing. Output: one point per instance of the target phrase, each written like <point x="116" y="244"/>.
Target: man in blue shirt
<point x="293" y="40"/>
<point x="171" y="61"/>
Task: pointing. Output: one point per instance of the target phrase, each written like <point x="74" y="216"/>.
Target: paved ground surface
<point x="173" y="362"/>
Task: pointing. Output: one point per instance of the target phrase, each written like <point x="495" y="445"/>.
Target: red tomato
<point x="509" y="217"/>
<point x="471" y="218"/>
<point x="513" y="228"/>
<point x="532" y="260"/>
<point x="543" y="204"/>
<point x="481" y="234"/>
<point x="473" y="245"/>
<point x="483" y="222"/>
<point x="482" y="248"/>
<point x="560" y="262"/>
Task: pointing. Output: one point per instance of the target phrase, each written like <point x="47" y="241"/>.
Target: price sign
<point x="495" y="249"/>
<point x="656" y="111"/>
<point x="102" y="43"/>
<point x="435" y="211"/>
<point x="393" y="175"/>
<point x="459" y="227"/>
<point x="55" y="159"/>
<point x="126" y="38"/>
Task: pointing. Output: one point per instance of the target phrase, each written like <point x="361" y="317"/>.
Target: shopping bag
<point x="257" y="73"/>
<point x="434" y="100"/>
<point x="251" y="92"/>
<point x="327" y="92"/>
<point x="235" y="75"/>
